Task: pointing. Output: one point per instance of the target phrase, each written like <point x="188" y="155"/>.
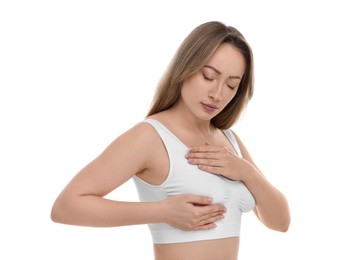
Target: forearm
<point x="271" y="205"/>
<point x="96" y="211"/>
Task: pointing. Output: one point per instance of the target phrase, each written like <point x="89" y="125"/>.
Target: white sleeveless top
<point x="184" y="178"/>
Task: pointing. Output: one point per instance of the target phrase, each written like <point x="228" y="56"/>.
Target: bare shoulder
<point x="237" y="138"/>
<point x="242" y="147"/>
<point x="244" y="151"/>
<point x="127" y="155"/>
<point x="140" y="136"/>
<point x="141" y="132"/>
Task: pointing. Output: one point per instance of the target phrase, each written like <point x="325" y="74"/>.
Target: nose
<point x="215" y="94"/>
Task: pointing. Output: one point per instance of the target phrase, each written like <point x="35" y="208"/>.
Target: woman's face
<point x="206" y="93"/>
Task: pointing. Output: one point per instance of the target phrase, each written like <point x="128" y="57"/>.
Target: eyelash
<point x="209" y="79"/>
<point x="206" y="78"/>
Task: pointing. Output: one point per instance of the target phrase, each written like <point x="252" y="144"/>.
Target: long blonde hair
<point x="194" y="52"/>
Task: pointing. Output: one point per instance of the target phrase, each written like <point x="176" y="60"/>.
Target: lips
<point x="209" y="107"/>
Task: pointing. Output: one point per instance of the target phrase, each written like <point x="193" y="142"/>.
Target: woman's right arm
<point x="82" y="201"/>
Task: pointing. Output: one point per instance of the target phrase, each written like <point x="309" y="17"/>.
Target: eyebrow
<point x="219" y="72"/>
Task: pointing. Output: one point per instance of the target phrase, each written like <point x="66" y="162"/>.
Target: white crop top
<point x="184" y="178"/>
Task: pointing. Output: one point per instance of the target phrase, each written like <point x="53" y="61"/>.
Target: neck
<point x="191" y="122"/>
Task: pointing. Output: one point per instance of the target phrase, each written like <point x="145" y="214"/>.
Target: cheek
<point x="227" y="99"/>
<point x="228" y="96"/>
<point x="190" y="88"/>
<point x="187" y="93"/>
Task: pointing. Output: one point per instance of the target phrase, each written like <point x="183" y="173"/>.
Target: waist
<point x="218" y="249"/>
<point x="165" y="234"/>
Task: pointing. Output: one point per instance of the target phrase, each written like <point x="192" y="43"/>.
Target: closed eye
<point x="211" y="79"/>
<point x="206" y="77"/>
<point x="230" y="87"/>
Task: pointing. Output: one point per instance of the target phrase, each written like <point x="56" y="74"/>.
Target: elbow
<point x="66" y="211"/>
<point x="59" y="212"/>
<point x="281" y="226"/>
<point x="56" y="213"/>
<point x="276" y="223"/>
<point x="284" y="227"/>
<point x="286" y="221"/>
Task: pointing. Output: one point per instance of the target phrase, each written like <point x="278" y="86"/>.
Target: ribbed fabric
<point x="184" y="178"/>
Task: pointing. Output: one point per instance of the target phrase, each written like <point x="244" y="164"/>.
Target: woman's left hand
<point x="219" y="160"/>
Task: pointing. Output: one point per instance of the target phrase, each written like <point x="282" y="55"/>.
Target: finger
<point x="208" y="162"/>
<point x="209" y="222"/>
<point x="198" y="199"/>
<point x="212" y="218"/>
<point x="204" y="148"/>
<point x="206" y="227"/>
<point x="203" y="155"/>
<point x="211" y="210"/>
<point x="212" y="169"/>
<point x="206" y="155"/>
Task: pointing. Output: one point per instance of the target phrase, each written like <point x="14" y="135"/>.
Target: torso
<point x="225" y="248"/>
<point x="218" y="249"/>
<point x="158" y="171"/>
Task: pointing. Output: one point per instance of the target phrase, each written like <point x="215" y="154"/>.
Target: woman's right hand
<point x="192" y="212"/>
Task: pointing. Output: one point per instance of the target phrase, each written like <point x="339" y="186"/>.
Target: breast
<point x="186" y="178"/>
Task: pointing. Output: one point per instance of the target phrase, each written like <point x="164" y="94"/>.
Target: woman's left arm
<point x="271" y="205"/>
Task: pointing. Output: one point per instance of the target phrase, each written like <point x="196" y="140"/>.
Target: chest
<point x="185" y="178"/>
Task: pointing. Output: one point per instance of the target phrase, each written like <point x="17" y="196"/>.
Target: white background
<point x="76" y="74"/>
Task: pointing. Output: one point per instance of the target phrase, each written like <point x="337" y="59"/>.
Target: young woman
<point x="193" y="174"/>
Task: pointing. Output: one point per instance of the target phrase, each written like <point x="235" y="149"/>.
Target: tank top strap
<point x="232" y="139"/>
<point x="160" y="128"/>
<point x="164" y="132"/>
<point x="155" y="123"/>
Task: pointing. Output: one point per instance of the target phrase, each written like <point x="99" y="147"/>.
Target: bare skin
<point x="140" y="152"/>
<point x="83" y="202"/>
<point x="218" y="249"/>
